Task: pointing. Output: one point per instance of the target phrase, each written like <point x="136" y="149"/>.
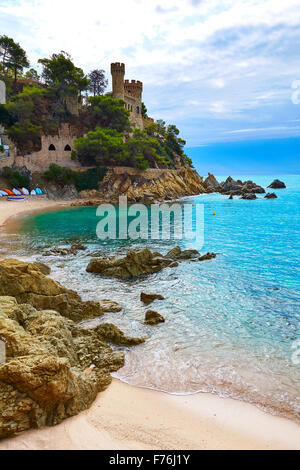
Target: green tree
<point x="145" y="151"/>
<point x="13" y="57"/>
<point x="32" y="74"/>
<point x="60" y="73"/>
<point x="144" y="110"/>
<point x="104" y="111"/>
<point x="98" y="82"/>
<point x="101" y="147"/>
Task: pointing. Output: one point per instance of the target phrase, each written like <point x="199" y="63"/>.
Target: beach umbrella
<point x="38" y="191"/>
<point x="3" y="193"/>
<point x="21" y="191"/>
<point x="25" y="191"/>
<point x="9" y="192"/>
<point x="33" y="193"/>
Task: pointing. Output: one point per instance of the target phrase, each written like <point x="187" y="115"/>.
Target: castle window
<point x="68" y="148"/>
<point x="138" y="110"/>
<point x="52" y="148"/>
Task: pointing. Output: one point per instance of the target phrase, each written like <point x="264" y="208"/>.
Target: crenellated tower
<point x="118" y="74"/>
<point x="134" y="88"/>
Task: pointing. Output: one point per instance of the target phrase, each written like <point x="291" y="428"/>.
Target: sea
<point x="232" y="323"/>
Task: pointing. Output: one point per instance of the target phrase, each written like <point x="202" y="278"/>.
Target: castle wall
<point x="40" y="161"/>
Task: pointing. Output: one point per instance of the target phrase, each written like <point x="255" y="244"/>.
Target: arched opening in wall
<point x="68" y="148"/>
<point x="138" y="110"/>
<point x="52" y="148"/>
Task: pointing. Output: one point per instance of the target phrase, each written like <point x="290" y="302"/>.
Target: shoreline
<point x="127" y="417"/>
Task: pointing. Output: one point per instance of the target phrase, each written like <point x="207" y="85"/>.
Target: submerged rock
<point x="139" y="262"/>
<point x="54" y="369"/>
<point x="249" y="196"/>
<point x="270" y="196"/>
<point x="112" y="334"/>
<point x="153" y="318"/>
<point x="149" y="298"/>
<point x="277" y="184"/>
<point x="28" y="284"/>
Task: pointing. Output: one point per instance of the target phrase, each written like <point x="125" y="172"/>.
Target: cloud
<point x="211" y="66"/>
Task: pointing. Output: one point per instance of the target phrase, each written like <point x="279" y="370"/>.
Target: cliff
<point x="151" y="185"/>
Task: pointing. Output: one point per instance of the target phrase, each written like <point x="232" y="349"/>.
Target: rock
<point x="270" y="196"/>
<point x="112" y="334"/>
<point x="231" y="196"/>
<point x="57" y="251"/>
<point x="89" y="194"/>
<point x="239" y="188"/>
<point x="151" y="185"/>
<point x="149" y="298"/>
<point x="277" y="184"/>
<point x="43" y="268"/>
<point x="139" y="262"/>
<point x="207" y="257"/>
<point x="211" y="183"/>
<point x="153" y="318"/>
<point x="249" y="196"/>
<point x="54" y="369"/>
<point x="27" y="284"/>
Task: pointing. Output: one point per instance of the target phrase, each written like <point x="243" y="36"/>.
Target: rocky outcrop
<point x="141" y="262"/>
<point x="277" y="184"/>
<point x="271" y="196"/>
<point x="249" y="197"/>
<point x="58" y="251"/>
<point x="147" y="299"/>
<point x="153" y="318"/>
<point x="54" y="369"/>
<point x="112" y="334"/>
<point x="211" y="184"/>
<point x="232" y="187"/>
<point x="28" y="284"/>
<point x="150" y="185"/>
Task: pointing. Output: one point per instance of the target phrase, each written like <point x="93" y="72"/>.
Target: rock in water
<point x="249" y="196"/>
<point x="54" y="368"/>
<point x="211" y="183"/>
<point x="112" y="334"/>
<point x="140" y="262"/>
<point x="153" y="318"/>
<point x="28" y="284"/>
<point x="270" y="196"/>
<point x="149" y="298"/>
<point x="277" y="184"/>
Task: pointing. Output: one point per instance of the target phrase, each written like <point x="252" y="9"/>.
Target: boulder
<point x="28" y="284"/>
<point x="153" y="318"/>
<point x="249" y="196"/>
<point x="207" y="257"/>
<point x="277" y="184"/>
<point x="211" y="183"/>
<point x="112" y="334"/>
<point x="54" y="368"/>
<point x="149" y="298"/>
<point x="43" y="268"/>
<point x="139" y="262"/>
<point x="270" y="196"/>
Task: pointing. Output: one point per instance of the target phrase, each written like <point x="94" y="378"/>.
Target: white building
<point x="2" y="92"/>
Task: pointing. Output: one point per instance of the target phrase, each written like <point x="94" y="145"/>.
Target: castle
<point x="131" y="93"/>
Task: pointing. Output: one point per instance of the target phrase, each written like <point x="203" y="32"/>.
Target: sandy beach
<point x="11" y="209"/>
<point x="125" y="417"/>
<point x="128" y="418"/>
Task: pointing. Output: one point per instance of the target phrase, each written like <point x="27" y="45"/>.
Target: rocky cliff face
<point x="151" y="185"/>
<point x="54" y="368"/>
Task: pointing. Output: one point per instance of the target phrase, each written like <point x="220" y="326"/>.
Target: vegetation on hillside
<point x="84" y="180"/>
<point x="39" y="103"/>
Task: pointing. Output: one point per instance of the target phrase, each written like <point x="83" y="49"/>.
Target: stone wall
<point x="54" y="149"/>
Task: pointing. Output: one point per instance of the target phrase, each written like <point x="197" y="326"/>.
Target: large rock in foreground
<point x="141" y="262"/>
<point x="28" y="284"/>
<point x="54" y="368"/>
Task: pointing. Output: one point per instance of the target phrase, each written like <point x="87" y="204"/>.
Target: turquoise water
<point x="230" y="322"/>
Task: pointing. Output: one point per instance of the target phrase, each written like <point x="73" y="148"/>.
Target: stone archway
<point x="68" y="148"/>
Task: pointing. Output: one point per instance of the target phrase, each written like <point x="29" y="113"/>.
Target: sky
<point x="224" y="71"/>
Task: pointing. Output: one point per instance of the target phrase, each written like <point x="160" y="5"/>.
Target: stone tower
<point x="2" y="92"/>
<point x="134" y="88"/>
<point x="118" y="74"/>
